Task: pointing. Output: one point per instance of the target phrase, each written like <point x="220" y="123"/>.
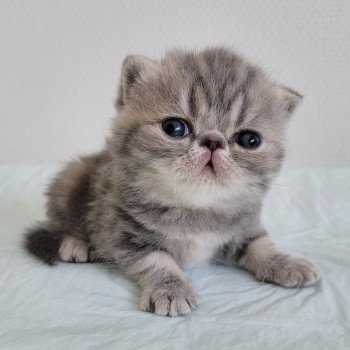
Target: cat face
<point x="200" y="129"/>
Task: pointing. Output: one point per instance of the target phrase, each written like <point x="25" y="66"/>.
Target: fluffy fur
<point x="151" y="205"/>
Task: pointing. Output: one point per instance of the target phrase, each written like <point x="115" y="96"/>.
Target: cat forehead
<point x="218" y="73"/>
<point x="214" y="87"/>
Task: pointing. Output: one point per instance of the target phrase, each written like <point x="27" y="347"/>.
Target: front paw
<point x="289" y="271"/>
<point x="169" y="297"/>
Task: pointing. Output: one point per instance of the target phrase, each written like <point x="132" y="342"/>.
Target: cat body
<point x="197" y="141"/>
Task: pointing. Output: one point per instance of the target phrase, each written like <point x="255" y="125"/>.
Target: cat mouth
<point x="209" y="170"/>
<point x="210" y="165"/>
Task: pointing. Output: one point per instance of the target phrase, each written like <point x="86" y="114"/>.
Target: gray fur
<point x="144" y="204"/>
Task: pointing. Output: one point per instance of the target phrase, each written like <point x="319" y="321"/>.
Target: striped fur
<point x="143" y="202"/>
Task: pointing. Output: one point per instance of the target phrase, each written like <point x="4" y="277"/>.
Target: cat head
<point x="199" y="129"/>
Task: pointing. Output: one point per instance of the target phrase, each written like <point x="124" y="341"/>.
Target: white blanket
<point x="87" y="306"/>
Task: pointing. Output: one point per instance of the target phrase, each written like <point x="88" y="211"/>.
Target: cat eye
<point x="176" y="127"/>
<point x="248" y="139"/>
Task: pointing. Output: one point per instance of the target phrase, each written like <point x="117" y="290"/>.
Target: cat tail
<point x="44" y="243"/>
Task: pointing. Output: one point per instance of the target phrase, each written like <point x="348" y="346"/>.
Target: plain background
<point x="60" y="63"/>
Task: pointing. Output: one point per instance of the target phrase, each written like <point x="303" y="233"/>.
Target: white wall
<point x="60" y="61"/>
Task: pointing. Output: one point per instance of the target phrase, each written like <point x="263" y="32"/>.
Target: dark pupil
<point x="248" y="140"/>
<point x="175" y="127"/>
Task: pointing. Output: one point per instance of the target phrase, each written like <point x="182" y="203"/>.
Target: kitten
<point x="198" y="139"/>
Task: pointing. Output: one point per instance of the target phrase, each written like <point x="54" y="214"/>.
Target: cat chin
<point x="203" y="194"/>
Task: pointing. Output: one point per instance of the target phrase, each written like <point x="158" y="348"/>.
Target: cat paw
<point x="289" y="272"/>
<point x="169" y="298"/>
<point x="73" y="250"/>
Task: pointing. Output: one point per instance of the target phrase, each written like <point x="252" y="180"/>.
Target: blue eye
<point x="175" y="127"/>
<point x="248" y="139"/>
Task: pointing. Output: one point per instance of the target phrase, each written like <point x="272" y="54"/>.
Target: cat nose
<point x="212" y="142"/>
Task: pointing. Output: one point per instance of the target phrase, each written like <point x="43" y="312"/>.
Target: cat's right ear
<point x="134" y="70"/>
<point x="290" y="98"/>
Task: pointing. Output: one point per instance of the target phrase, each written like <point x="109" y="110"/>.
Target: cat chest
<point x="196" y="250"/>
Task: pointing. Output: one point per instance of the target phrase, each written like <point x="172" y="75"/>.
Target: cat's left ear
<point x="289" y="98"/>
<point x="134" y="70"/>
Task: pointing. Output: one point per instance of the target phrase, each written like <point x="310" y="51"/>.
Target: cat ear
<point x="289" y="98"/>
<point x="134" y="69"/>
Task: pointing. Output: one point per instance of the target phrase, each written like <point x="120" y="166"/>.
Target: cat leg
<point x="166" y="290"/>
<point x="52" y="245"/>
<point x="260" y="256"/>
<point x="73" y="250"/>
